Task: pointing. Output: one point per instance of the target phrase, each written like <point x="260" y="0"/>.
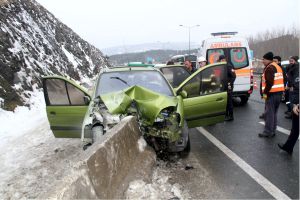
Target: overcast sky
<point x="107" y="23"/>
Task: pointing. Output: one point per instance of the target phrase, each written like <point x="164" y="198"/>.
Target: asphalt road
<point x="229" y="160"/>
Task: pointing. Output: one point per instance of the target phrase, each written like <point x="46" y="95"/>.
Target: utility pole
<point x="189" y="27"/>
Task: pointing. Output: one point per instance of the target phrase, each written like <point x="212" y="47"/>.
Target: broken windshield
<point x="116" y="81"/>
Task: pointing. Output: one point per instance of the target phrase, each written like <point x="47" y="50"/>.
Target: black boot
<point x="282" y="147"/>
<point x="229" y="117"/>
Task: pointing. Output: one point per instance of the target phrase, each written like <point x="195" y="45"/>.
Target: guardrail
<point x="108" y="166"/>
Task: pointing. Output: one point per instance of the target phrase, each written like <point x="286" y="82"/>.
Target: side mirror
<point x="183" y="94"/>
<point x="87" y="100"/>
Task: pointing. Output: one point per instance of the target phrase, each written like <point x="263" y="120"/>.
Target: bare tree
<point x="281" y="41"/>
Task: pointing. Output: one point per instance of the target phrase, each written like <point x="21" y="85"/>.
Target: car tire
<point x="187" y="148"/>
<point x="244" y="100"/>
<point x="97" y="132"/>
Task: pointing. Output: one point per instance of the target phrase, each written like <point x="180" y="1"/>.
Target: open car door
<point x="204" y="96"/>
<point x="66" y="105"/>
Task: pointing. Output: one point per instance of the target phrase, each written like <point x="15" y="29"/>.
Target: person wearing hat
<point x="231" y="76"/>
<point x="272" y="89"/>
<point x="277" y="60"/>
<point x="201" y="61"/>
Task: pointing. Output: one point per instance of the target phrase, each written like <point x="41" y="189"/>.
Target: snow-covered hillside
<point x="34" y="43"/>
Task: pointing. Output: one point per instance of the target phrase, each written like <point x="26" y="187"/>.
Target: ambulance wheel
<point x="244" y="100"/>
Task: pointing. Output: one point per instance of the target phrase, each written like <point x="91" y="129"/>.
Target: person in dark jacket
<point x="277" y="60"/>
<point x="290" y="73"/>
<point x="231" y="76"/>
<point x="188" y="64"/>
<point x="288" y="146"/>
<point x="272" y="88"/>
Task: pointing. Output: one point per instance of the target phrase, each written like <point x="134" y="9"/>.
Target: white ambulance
<point x="237" y="52"/>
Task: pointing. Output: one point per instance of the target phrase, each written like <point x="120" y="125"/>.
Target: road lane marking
<point x="280" y="129"/>
<point x="260" y="179"/>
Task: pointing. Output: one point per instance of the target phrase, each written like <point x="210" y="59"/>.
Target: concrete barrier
<point x="108" y="166"/>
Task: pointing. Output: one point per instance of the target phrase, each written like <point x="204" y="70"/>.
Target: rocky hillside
<point x="34" y="43"/>
<point x="159" y="56"/>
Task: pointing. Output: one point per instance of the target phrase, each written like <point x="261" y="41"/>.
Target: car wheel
<point x="244" y="99"/>
<point x="187" y="148"/>
<point x="97" y="132"/>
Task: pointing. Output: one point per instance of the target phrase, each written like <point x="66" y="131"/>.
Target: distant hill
<point x="284" y="46"/>
<point x="148" y="46"/>
<point x="159" y="56"/>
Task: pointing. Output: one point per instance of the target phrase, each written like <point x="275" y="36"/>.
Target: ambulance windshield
<point x="237" y="56"/>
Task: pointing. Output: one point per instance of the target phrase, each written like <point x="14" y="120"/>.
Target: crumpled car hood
<point x="149" y="103"/>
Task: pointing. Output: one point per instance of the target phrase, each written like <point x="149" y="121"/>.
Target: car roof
<point x="121" y="69"/>
<point x="164" y="66"/>
<point x="139" y="65"/>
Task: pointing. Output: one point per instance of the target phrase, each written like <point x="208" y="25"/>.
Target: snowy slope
<point x="34" y="43"/>
<point x="31" y="158"/>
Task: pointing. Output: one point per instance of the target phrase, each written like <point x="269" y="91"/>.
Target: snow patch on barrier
<point x="142" y="144"/>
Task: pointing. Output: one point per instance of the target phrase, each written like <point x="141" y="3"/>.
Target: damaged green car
<point x="164" y="113"/>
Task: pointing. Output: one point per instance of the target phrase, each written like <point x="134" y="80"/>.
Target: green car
<point x="139" y="64"/>
<point x="164" y="113"/>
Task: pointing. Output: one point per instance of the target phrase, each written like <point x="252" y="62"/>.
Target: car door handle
<point x="52" y="113"/>
<point x="220" y="99"/>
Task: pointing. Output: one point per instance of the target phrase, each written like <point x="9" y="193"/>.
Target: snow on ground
<point x="31" y="158"/>
<point x="14" y="124"/>
<point x="159" y="188"/>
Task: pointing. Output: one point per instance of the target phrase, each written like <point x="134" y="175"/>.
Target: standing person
<point x="231" y="76"/>
<point x="188" y="64"/>
<point x="288" y="146"/>
<point x="202" y="61"/>
<point x="277" y="60"/>
<point x="272" y="88"/>
<point x="289" y="88"/>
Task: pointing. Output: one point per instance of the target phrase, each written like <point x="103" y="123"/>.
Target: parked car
<point x="164" y="113"/>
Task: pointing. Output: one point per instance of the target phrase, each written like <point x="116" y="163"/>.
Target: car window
<point x="212" y="80"/>
<point x="192" y="87"/>
<point x="76" y="95"/>
<point x="117" y="81"/>
<point x="175" y="75"/>
<point x="209" y="81"/>
<point x="56" y="91"/>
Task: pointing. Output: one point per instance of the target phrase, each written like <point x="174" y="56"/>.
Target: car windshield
<point x="116" y="81"/>
<point x="175" y="75"/>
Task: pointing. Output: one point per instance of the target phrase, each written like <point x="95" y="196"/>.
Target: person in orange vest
<point x="272" y="89"/>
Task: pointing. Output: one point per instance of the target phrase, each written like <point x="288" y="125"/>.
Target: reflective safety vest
<point x="278" y="85"/>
